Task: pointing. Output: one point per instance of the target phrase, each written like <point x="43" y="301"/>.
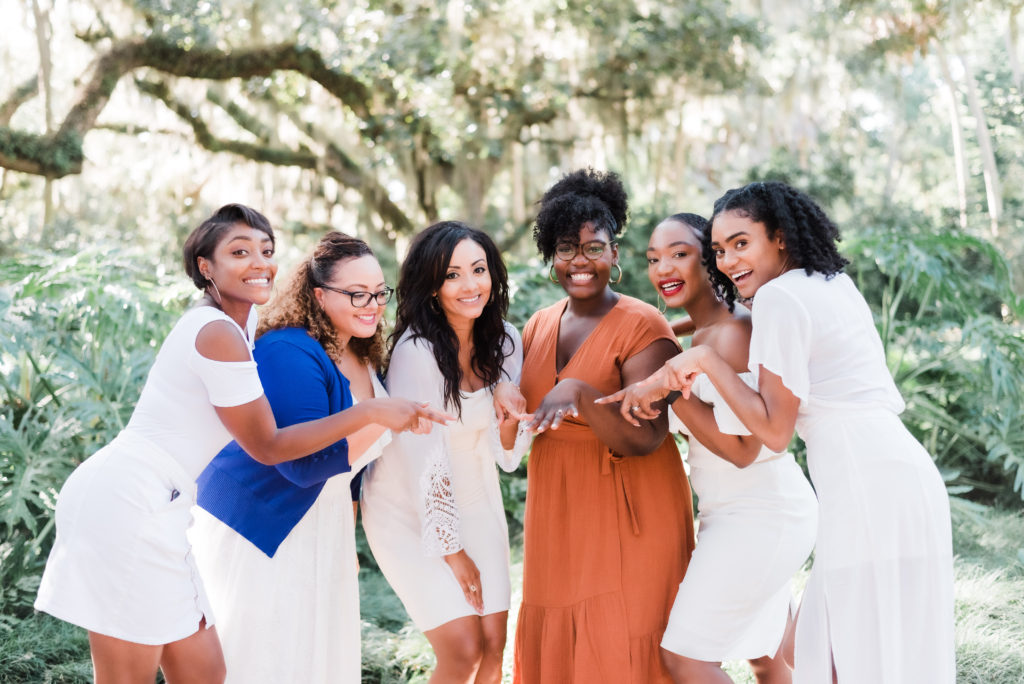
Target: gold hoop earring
<point x="661" y="301"/>
<point x="551" y="274"/>
<point x="619" y="279"/>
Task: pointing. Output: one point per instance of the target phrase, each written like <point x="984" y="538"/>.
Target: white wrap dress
<point x="436" y="494"/>
<point x="757" y="528"/>
<point x="122" y="564"/>
<point x="879" y="601"/>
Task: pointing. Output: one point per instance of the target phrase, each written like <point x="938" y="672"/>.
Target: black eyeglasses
<point x="566" y="251"/>
<point x="361" y="299"/>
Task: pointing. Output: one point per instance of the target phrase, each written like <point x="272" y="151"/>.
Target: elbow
<point x="778" y="443"/>
<point x="266" y="455"/>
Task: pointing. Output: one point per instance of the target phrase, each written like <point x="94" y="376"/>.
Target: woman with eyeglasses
<point x="609" y="521"/>
<point x="433" y="512"/>
<point x="276" y="544"/>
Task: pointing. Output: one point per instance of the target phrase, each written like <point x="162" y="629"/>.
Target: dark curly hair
<point x="582" y="196"/>
<point x="422" y="275"/>
<point x="202" y="241"/>
<point x="809" y="235"/>
<point x="701" y="228"/>
<point x="296" y="305"/>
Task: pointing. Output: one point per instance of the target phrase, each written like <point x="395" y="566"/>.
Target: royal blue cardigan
<point x="264" y="503"/>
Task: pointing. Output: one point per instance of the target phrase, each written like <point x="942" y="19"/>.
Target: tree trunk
<point x="956" y="132"/>
<point x="993" y="191"/>
<point x="44" y="31"/>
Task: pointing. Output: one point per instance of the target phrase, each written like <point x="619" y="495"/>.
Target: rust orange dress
<point x="607" y="537"/>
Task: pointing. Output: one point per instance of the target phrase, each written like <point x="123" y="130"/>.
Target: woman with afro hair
<point x="609" y="522"/>
<point x="878" y="606"/>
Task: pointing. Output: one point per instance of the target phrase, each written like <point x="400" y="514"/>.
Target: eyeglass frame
<point x="578" y="249"/>
<point x="387" y="292"/>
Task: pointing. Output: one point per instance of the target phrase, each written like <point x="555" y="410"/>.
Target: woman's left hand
<point x="509" y="403"/>
<point x="562" y="401"/>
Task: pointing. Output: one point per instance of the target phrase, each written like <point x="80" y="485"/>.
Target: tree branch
<point x="60" y="154"/>
<point x="22" y="94"/>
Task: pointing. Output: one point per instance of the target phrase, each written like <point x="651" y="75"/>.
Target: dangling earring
<point x="660" y="302"/>
<point x="215" y="295"/>
<point x="619" y="279"/>
<point x="551" y="274"/>
<point x="435" y="306"/>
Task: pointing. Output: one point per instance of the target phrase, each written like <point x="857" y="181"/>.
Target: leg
<point x="771" y="670"/>
<point x="458" y="646"/>
<point x="115" y="661"/>
<point x="196" y="659"/>
<point x="494" y="627"/>
<point x="685" y="670"/>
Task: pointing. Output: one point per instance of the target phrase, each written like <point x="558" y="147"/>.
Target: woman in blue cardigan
<point x="276" y="545"/>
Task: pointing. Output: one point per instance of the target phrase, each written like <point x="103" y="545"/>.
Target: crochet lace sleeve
<point x="413" y="374"/>
<point x="509" y="459"/>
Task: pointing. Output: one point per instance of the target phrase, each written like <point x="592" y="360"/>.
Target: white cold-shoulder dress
<point x="879" y="601"/>
<point x="436" y="494"/>
<point x="122" y="564"/>
<point x="757" y="527"/>
<point x="293" y="617"/>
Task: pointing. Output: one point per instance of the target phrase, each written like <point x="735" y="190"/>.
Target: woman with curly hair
<point x="433" y="512"/>
<point x="276" y="544"/>
<point x="757" y="514"/>
<point x="609" y="523"/>
<point x="121" y="566"/>
<point x="878" y="606"/>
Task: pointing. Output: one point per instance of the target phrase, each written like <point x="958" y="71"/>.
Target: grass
<point x="989" y="570"/>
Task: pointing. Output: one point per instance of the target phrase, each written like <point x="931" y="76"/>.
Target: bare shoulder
<point x="731" y="339"/>
<point x="221" y="341"/>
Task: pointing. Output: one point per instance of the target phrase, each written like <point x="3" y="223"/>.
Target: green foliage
<point x="947" y="314"/>
<point x="79" y="333"/>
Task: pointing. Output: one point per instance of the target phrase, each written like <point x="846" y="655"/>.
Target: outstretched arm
<point x="572" y="397"/>
<point x="253" y="426"/>
<point x="768" y="412"/>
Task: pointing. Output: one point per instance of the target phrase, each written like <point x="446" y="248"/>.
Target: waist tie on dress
<point x="572" y="430"/>
<point x="613" y="464"/>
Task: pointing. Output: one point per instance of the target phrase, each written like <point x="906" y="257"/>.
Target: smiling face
<point x="583" y="278"/>
<point x="467" y="284"/>
<point x="674" y="266"/>
<point x="745" y="253"/>
<point x="357" y="274"/>
<point x="242" y="266"/>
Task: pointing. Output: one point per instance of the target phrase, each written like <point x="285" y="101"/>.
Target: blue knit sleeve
<point x="302" y="385"/>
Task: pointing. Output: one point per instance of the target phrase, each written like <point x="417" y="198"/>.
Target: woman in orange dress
<point x="609" y="521"/>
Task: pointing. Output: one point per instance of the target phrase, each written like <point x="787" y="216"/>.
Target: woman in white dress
<point x="276" y="544"/>
<point x="878" y="606"/>
<point x="756" y="510"/>
<point x="432" y="512"/>
<point x="121" y="565"/>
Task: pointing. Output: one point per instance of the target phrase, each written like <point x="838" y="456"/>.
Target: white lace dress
<point x="436" y="494"/>
<point x="293" y="617"/>
<point x="757" y="527"/>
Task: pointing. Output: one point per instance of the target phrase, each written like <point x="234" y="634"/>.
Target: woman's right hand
<point x="401" y="415"/>
<point x="468" y="577"/>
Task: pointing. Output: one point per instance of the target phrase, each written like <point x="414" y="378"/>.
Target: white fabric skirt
<point x="879" y="601"/>
<point x="293" y="617"/>
<point x="425" y="584"/>
<point x="121" y="564"/>
<point x="757" y="528"/>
